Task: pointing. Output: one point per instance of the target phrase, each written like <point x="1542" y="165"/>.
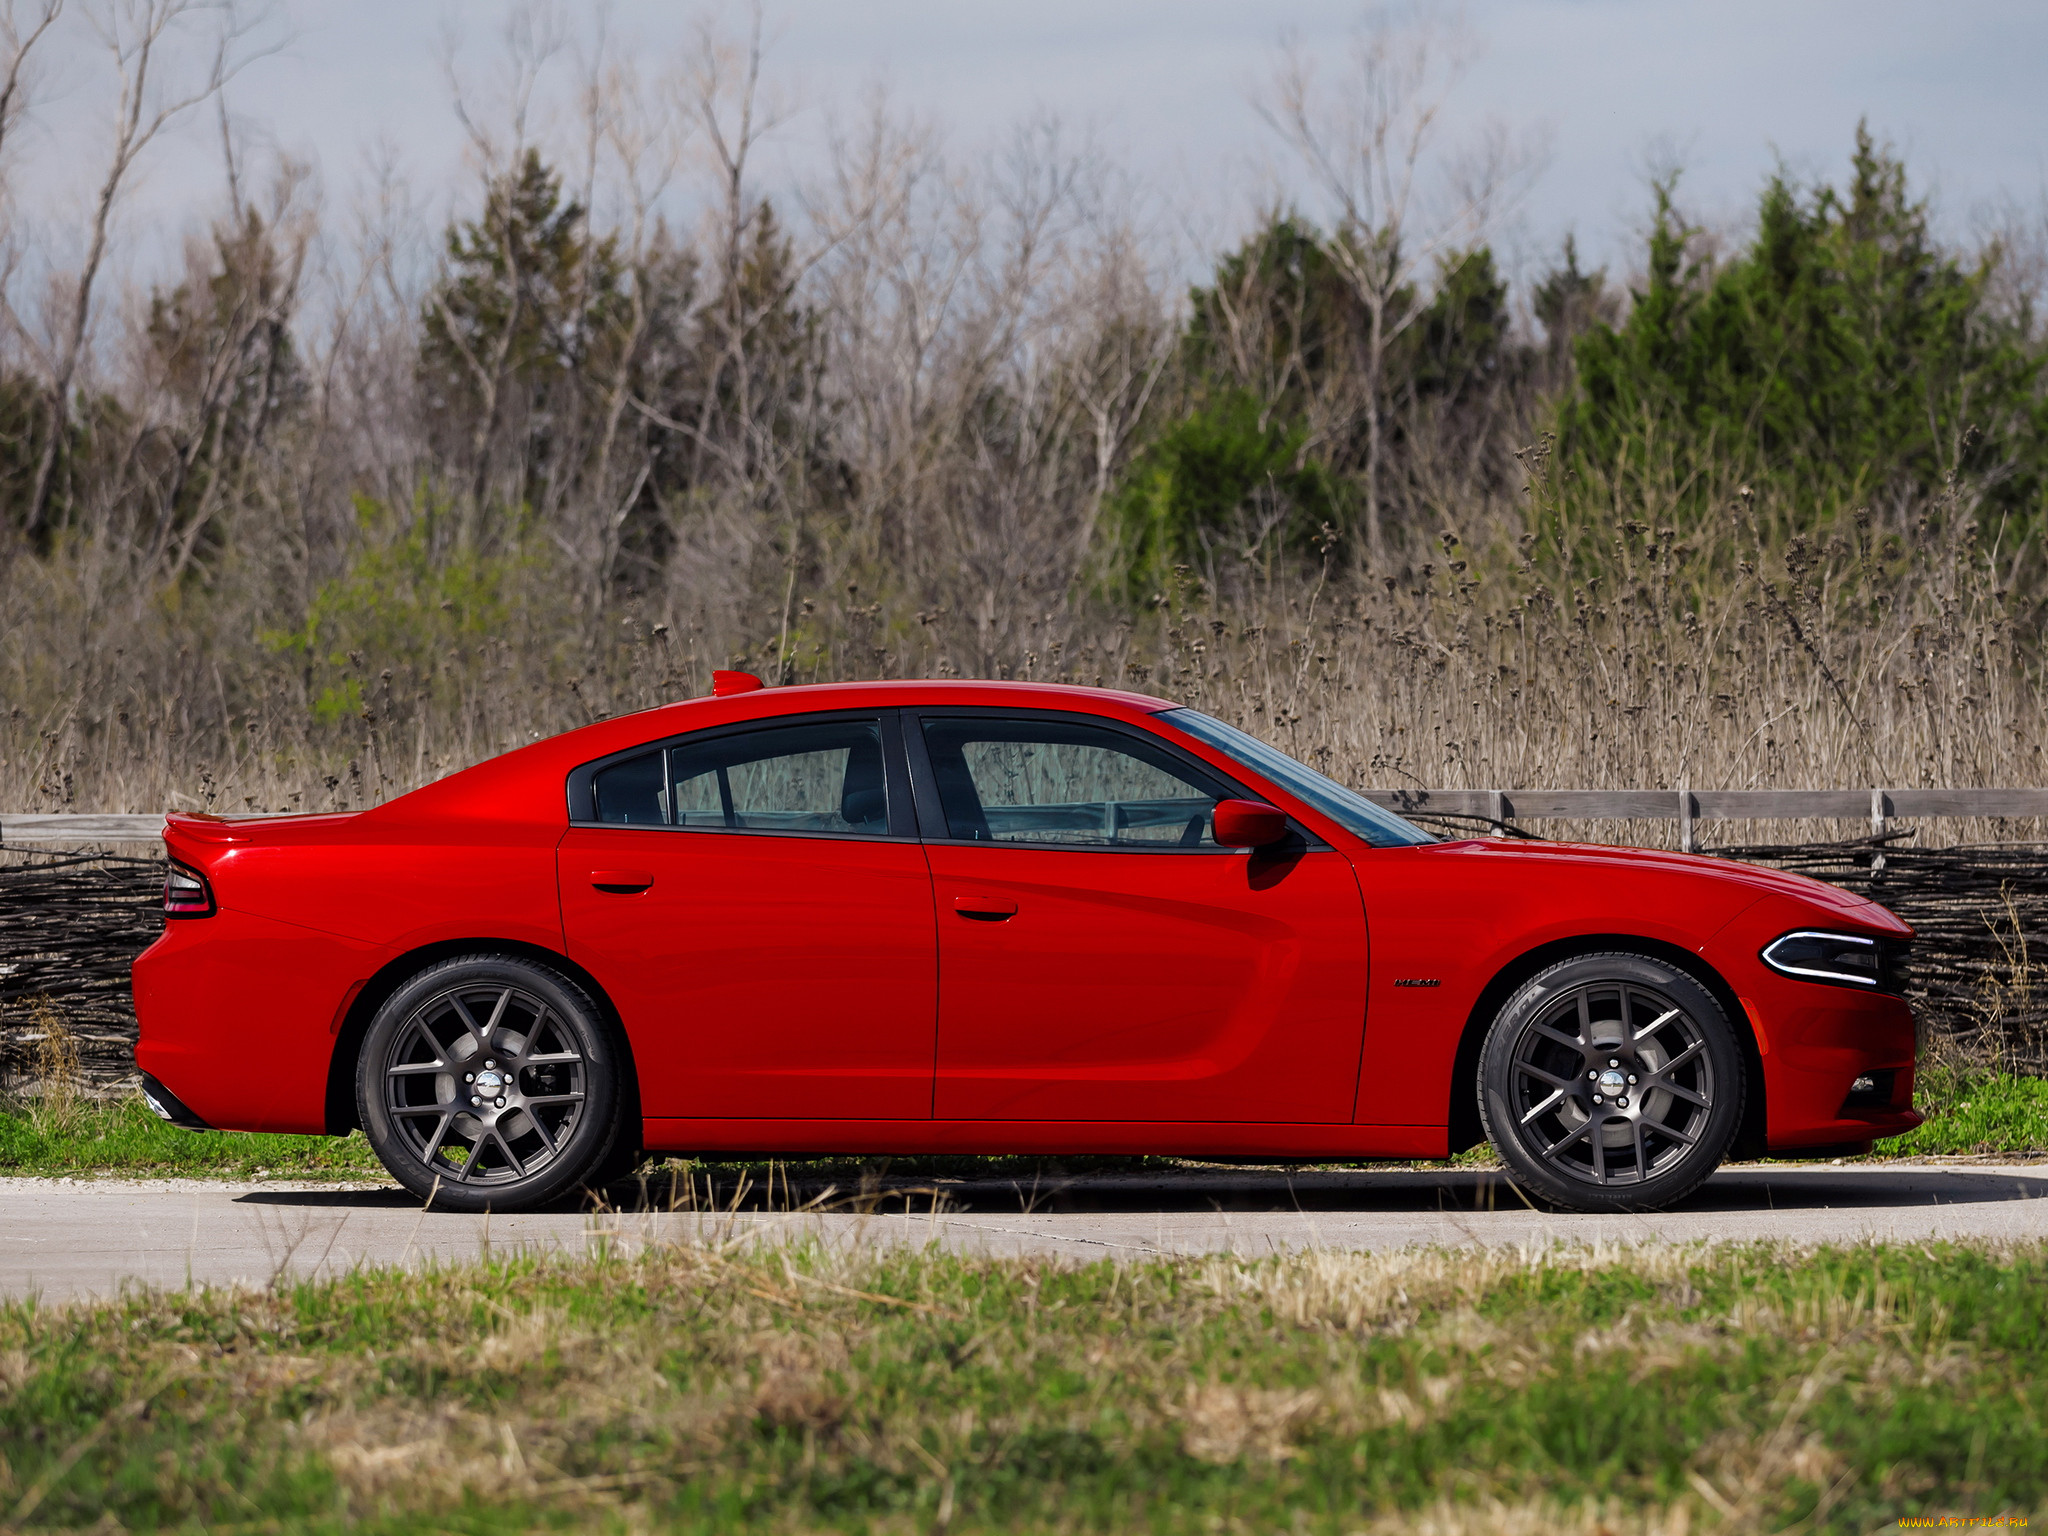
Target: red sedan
<point x="986" y="917"/>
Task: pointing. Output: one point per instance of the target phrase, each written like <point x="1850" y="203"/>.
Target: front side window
<point x="1349" y="809"/>
<point x="820" y="776"/>
<point x="1031" y="781"/>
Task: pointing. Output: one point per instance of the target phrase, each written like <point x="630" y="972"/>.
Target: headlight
<point x="1846" y="959"/>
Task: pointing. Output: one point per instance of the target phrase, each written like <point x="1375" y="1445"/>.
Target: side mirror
<point x="1249" y="823"/>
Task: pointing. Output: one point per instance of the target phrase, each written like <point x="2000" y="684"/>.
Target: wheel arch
<point x="1465" y="1130"/>
<point x="341" y="1115"/>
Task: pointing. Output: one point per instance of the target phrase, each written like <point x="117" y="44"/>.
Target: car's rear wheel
<point x="490" y="1083"/>
<point x="1611" y="1082"/>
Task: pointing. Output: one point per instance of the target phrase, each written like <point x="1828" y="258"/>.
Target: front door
<point x="1101" y="958"/>
<point x="756" y="904"/>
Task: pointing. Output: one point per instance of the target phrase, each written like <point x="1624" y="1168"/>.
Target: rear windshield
<point x="1349" y="809"/>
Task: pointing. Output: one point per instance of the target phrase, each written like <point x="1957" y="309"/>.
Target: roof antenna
<point x="725" y="684"/>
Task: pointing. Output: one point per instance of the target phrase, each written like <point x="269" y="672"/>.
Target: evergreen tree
<point x="1568" y="302"/>
<point x="227" y="372"/>
<point x="1272" y="435"/>
<point x="1842" y="355"/>
<point x="519" y="323"/>
<point x="1224" y="479"/>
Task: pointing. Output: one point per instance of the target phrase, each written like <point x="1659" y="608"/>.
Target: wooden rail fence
<point x="1501" y="807"/>
<point x="1689" y="807"/>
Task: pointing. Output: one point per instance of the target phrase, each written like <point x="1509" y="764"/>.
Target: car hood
<point x="1830" y="900"/>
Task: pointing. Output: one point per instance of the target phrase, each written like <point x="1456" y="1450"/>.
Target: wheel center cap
<point x="1613" y="1083"/>
<point x="490" y="1084"/>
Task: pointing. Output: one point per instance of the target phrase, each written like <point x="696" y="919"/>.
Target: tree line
<point x="927" y="390"/>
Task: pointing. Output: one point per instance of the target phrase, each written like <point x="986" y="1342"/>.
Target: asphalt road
<point x="66" y="1238"/>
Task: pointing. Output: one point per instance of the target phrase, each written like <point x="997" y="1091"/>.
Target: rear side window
<point x="822" y="776"/>
<point x="630" y="792"/>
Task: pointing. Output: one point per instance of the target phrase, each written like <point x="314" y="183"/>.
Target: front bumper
<point x="1813" y="1043"/>
<point x="1815" y="1039"/>
<point x="1818" y="1046"/>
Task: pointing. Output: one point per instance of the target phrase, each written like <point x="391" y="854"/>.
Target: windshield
<point x="1349" y="809"/>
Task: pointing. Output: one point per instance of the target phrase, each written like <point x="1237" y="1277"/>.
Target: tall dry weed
<point x="55" y="1088"/>
<point x="1875" y="657"/>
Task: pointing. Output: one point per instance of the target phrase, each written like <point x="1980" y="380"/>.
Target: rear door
<point x="756" y="904"/>
<point x="1101" y="958"/>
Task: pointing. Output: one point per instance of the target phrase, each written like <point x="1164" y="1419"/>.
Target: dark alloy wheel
<point x="1611" y="1082"/>
<point x="489" y="1083"/>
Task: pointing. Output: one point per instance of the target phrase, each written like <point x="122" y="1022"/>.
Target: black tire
<point x="519" y="1028"/>
<point x="620" y="1164"/>
<point x="1591" y="1116"/>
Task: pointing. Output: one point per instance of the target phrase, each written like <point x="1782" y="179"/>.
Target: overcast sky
<point x="1728" y="88"/>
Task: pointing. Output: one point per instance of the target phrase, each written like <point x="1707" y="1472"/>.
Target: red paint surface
<point x="791" y="977"/>
<point x="1148" y="986"/>
<point x="824" y="994"/>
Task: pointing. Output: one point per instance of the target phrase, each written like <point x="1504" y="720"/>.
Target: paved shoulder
<point x="65" y="1238"/>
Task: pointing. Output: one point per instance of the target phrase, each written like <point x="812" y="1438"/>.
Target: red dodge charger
<point x="993" y="917"/>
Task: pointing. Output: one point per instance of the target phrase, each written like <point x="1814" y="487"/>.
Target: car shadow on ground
<point x="1054" y="1190"/>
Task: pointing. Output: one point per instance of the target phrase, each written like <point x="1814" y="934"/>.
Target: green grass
<point x="1967" y="1113"/>
<point x="701" y="1388"/>
<point x="1975" y="1112"/>
<point x="124" y="1137"/>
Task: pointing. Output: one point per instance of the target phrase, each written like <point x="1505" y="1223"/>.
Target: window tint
<point x="1349" y="809"/>
<point x="1026" y="781"/>
<point x="630" y="792"/>
<point x="824" y="776"/>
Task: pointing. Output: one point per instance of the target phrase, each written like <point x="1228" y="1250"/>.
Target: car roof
<point x="899" y="690"/>
<point x="529" y="779"/>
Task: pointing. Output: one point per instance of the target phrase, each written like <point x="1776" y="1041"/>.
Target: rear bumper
<point x="238" y="1017"/>
<point x="167" y="1105"/>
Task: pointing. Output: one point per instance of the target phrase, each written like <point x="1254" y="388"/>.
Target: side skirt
<point x="988" y="1137"/>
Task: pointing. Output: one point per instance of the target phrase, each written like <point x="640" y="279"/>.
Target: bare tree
<point x="634" y="130"/>
<point x="724" y="91"/>
<point x="227" y="357"/>
<point x="2012" y="234"/>
<point x="1370" y="145"/>
<point x="1115" y="381"/>
<point x="135" y="33"/>
<point x="19" y="34"/>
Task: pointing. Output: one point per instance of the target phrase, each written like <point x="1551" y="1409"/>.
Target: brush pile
<point x="70" y="925"/>
<point x="1980" y="915"/>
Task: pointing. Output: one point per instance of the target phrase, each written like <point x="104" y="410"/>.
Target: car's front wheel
<point x="1611" y="1082"/>
<point x="489" y="1083"/>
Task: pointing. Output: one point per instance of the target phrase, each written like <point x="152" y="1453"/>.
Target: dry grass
<point x="1643" y="1390"/>
<point x="57" y="1098"/>
<point x="1878" y="657"/>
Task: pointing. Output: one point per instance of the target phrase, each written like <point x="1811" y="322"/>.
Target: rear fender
<point x="355" y="1020"/>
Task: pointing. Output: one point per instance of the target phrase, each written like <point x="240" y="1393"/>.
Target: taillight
<point x="186" y="893"/>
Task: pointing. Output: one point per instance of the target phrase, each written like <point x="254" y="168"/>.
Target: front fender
<point x="1447" y="919"/>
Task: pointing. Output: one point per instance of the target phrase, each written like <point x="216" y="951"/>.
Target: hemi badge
<point x="1417" y="981"/>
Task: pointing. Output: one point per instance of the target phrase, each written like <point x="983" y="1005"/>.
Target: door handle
<point x="621" y="882"/>
<point x="985" y="909"/>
